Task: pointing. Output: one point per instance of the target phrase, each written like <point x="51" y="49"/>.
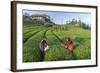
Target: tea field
<point x="55" y="37"/>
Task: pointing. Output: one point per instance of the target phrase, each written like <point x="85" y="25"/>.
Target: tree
<point x="83" y="25"/>
<point x="27" y="18"/>
<point x="72" y="22"/>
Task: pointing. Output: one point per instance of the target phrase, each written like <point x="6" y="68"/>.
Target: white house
<point x="42" y="17"/>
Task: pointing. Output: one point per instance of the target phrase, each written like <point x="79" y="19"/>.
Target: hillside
<point x="55" y="37"/>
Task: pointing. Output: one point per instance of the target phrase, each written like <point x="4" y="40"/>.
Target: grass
<point x="81" y="39"/>
<point x="31" y="48"/>
<point x="55" y="51"/>
<point x="55" y="37"/>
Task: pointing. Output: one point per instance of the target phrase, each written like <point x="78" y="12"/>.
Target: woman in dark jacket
<point x="43" y="45"/>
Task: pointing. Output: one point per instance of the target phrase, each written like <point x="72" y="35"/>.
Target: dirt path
<point x="62" y="42"/>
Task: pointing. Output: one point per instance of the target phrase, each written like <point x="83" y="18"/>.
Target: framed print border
<point x="14" y="34"/>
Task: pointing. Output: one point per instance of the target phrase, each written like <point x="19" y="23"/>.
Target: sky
<point x="61" y="17"/>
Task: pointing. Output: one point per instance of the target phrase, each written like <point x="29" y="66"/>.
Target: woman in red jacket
<point x="69" y="45"/>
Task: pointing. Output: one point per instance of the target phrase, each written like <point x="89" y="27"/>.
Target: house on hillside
<point x="43" y="18"/>
<point x="77" y="24"/>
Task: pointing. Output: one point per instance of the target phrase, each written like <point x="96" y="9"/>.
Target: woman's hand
<point x="62" y="45"/>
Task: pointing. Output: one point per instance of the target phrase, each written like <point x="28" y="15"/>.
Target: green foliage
<point x="55" y="52"/>
<point x="56" y="34"/>
<point x="31" y="48"/>
<point x="81" y="39"/>
<point x="78" y="23"/>
<point x="28" y="20"/>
